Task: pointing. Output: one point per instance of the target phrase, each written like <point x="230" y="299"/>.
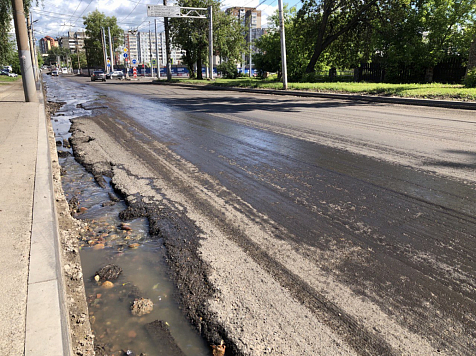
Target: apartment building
<point x="46" y="44"/>
<point x="73" y="41"/>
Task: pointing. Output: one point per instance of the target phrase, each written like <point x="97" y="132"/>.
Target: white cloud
<point x="56" y="17"/>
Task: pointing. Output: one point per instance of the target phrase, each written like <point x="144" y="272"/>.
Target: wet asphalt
<point x="416" y="230"/>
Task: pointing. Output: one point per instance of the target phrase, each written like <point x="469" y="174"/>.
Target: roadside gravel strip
<point x="238" y="281"/>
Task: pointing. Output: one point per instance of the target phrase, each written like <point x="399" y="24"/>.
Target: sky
<point x="55" y="17"/>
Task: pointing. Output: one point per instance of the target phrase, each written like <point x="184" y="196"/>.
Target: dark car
<point x="98" y="75"/>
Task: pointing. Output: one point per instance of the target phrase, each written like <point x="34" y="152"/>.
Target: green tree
<point x="7" y="48"/>
<point x="82" y="60"/>
<point x="191" y="35"/>
<point x="228" y="41"/>
<point x="268" y="57"/>
<point x="93" y="23"/>
<point x="56" y="55"/>
<point x="419" y="34"/>
<point x="323" y="22"/>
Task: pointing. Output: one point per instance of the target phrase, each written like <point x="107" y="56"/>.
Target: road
<point x="299" y="226"/>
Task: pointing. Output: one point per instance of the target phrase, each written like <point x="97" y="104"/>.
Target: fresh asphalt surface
<point x="380" y="197"/>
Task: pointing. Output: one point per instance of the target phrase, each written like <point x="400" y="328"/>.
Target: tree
<point x="82" y="60"/>
<point x="93" y="23"/>
<point x="326" y="21"/>
<point x="228" y="40"/>
<point x="7" y="47"/>
<point x="192" y="35"/>
<point x="268" y="57"/>
<point x="56" y="55"/>
<point x="417" y="35"/>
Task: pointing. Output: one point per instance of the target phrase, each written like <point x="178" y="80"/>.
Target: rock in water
<point x="218" y="350"/>
<point x="107" y="285"/>
<point x="109" y="272"/>
<point x="160" y="334"/>
<point x="141" y="307"/>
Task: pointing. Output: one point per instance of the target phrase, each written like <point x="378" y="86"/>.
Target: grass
<point x="6" y="79"/>
<point x="431" y="91"/>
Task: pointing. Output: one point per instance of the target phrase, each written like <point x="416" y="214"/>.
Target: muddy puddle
<point x="125" y="244"/>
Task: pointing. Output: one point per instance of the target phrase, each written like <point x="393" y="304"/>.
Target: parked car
<point x="98" y="75"/>
<point x="64" y="70"/>
<point x="55" y="72"/>
<point x="118" y="74"/>
<point x="4" y="72"/>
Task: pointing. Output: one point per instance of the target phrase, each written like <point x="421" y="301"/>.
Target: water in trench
<point x="109" y="241"/>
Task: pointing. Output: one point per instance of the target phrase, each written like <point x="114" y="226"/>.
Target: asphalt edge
<point x="47" y="326"/>
<point x="449" y="104"/>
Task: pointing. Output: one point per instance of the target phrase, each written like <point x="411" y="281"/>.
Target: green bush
<point x="228" y="70"/>
<point x="470" y="78"/>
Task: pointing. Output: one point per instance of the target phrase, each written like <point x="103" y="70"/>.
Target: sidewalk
<point x="32" y="317"/>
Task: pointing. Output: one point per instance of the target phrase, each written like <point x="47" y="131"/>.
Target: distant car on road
<point x="55" y="72"/>
<point x="98" y="75"/>
<point x="64" y="70"/>
<point x="118" y="74"/>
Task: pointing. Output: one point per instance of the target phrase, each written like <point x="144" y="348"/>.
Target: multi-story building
<point x="141" y="47"/>
<point x="74" y="41"/>
<point x="244" y="14"/>
<point x="250" y="19"/>
<point x="46" y="44"/>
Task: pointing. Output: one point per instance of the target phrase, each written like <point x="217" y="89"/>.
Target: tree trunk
<point x="472" y="56"/>
<point x="199" y="64"/>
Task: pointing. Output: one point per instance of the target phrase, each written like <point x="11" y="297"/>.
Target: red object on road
<point x="135" y="72"/>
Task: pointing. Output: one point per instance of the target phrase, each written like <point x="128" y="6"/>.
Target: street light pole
<point x="110" y="49"/>
<point x="28" y="79"/>
<point x="251" y="17"/>
<point x="210" y="40"/>
<point x="157" y="50"/>
<point x="283" y="45"/>
<point x="167" y="45"/>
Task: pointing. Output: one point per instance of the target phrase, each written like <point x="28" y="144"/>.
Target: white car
<point x="118" y="74"/>
<point x="64" y="70"/>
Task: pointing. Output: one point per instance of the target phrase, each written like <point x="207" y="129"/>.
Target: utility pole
<point x="150" y="53"/>
<point x="104" y="51"/>
<point x="283" y="45"/>
<point x="87" y="59"/>
<point x="167" y="45"/>
<point x="210" y="40"/>
<point x="29" y="25"/>
<point x="251" y="17"/>
<point x="110" y="49"/>
<point x="28" y="79"/>
<point x="157" y="50"/>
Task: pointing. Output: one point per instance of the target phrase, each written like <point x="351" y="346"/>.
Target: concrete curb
<point x="47" y="327"/>
<point x="465" y="105"/>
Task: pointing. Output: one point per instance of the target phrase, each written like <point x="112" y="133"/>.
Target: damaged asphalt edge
<point x="187" y="269"/>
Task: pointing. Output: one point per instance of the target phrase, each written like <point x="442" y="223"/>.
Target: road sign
<point x="125" y="50"/>
<point x="108" y="61"/>
<point x="154" y="62"/>
<point x="109" y="64"/>
<point x="163" y="11"/>
<point x="125" y="55"/>
<point x="134" y="62"/>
